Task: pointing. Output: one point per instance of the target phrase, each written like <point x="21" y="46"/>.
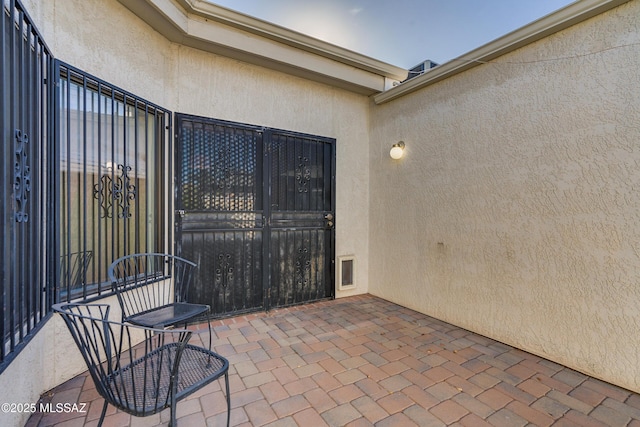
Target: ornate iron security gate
<point x="255" y="211"/>
<point x="301" y="218"/>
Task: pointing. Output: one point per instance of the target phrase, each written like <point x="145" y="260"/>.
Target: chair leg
<point x="210" y="338"/>
<point x="104" y="412"/>
<point x="173" y="422"/>
<point x="226" y="383"/>
<point x="209" y="322"/>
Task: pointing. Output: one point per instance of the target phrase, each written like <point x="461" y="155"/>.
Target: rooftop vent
<point x="421" y="68"/>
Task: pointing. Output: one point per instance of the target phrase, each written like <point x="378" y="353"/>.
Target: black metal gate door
<point x="301" y="218"/>
<point x="255" y="210"/>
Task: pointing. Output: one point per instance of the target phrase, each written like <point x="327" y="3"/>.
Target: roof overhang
<point x="563" y="18"/>
<point x="212" y="28"/>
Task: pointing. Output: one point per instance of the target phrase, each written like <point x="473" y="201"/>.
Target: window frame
<point x="160" y="145"/>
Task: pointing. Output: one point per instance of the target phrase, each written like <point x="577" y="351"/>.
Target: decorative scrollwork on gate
<point x="224" y="270"/>
<point x="303" y="267"/>
<point x="303" y="174"/>
<point x="21" y="176"/>
<point x="115" y="192"/>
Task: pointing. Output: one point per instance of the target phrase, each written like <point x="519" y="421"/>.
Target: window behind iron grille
<point x="114" y="175"/>
<point x="25" y="107"/>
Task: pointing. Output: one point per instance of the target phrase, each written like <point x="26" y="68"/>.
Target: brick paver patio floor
<point x="363" y="361"/>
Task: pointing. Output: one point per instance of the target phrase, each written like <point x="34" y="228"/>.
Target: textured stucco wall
<point x="105" y="39"/>
<point x="515" y="212"/>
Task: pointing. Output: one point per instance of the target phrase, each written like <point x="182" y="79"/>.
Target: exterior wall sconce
<point x="397" y="150"/>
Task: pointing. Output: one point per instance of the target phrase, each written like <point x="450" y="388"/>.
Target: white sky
<point x="401" y="32"/>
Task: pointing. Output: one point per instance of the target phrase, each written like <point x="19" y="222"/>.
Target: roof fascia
<point x="209" y="27"/>
<point x="559" y="20"/>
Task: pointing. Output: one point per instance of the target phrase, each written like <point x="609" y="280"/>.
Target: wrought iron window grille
<point x="22" y="177"/>
<point x="26" y="179"/>
<point x="113" y="150"/>
<point x="114" y="192"/>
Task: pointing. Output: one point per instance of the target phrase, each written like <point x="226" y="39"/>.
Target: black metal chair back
<point x="140" y="370"/>
<point x="74" y="268"/>
<point x="169" y="277"/>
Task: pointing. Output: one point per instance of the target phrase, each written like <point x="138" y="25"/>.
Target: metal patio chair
<point x="140" y="370"/>
<point x="152" y="290"/>
<point x="73" y="268"/>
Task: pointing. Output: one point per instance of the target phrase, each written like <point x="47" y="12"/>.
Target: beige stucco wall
<point x="105" y="39"/>
<point x="515" y="212"/>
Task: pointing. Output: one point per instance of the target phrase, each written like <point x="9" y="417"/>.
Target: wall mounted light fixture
<point x="397" y="150"/>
